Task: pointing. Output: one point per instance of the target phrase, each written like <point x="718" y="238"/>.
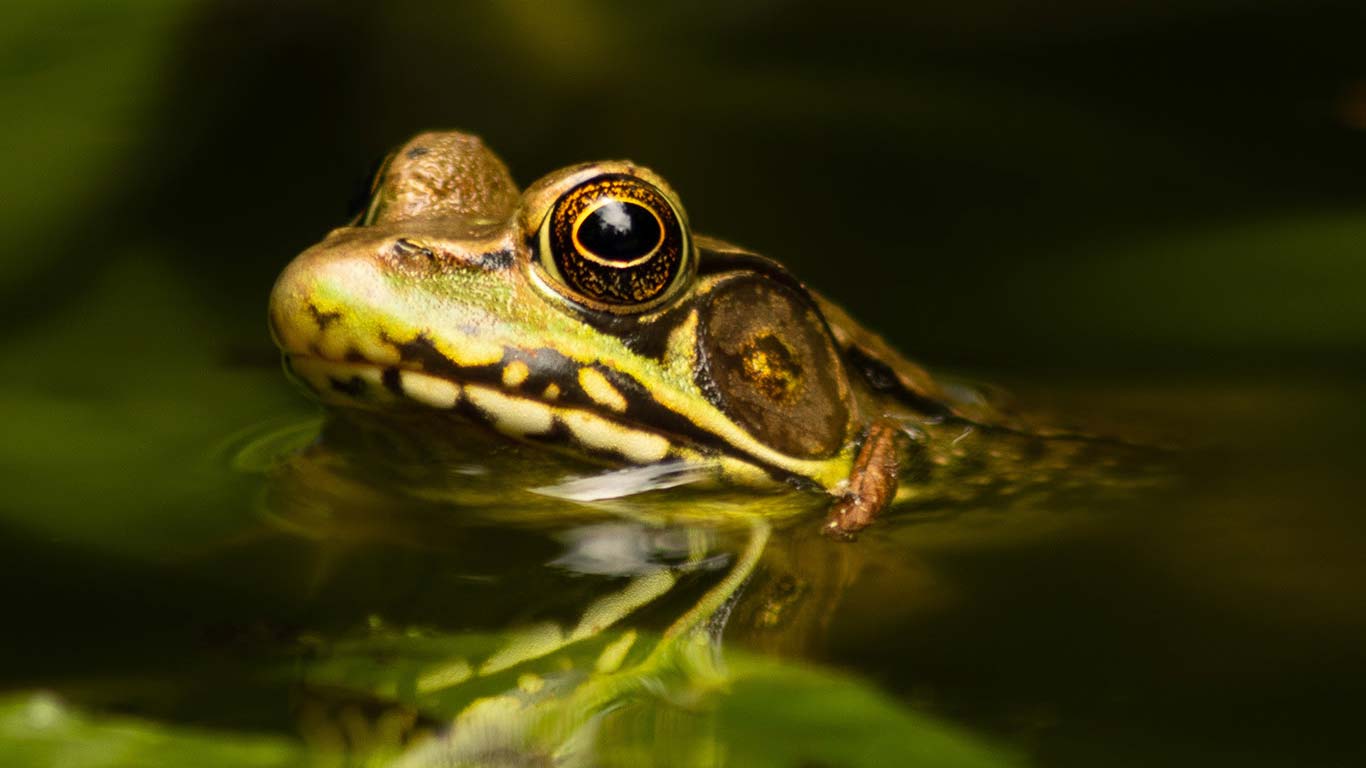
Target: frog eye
<point x="616" y="242"/>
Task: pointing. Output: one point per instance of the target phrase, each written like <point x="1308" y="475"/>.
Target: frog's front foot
<point x="872" y="482"/>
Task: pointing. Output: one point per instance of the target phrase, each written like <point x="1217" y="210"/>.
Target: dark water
<point x="1148" y="221"/>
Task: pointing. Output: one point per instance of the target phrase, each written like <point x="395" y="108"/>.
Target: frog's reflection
<point x="582" y="630"/>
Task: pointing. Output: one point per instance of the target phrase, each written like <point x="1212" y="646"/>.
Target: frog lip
<point x="359" y="382"/>
<point x="430" y="379"/>
<point x="515" y="413"/>
<point x="417" y="370"/>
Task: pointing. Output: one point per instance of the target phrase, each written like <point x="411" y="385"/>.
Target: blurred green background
<point x="1167" y="198"/>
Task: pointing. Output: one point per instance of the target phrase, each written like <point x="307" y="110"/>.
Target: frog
<point x="585" y="315"/>
<point x="461" y="317"/>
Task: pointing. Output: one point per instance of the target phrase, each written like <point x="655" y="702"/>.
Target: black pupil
<point x="619" y="231"/>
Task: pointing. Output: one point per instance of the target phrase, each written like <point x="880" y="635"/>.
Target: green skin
<point x="439" y="307"/>
<point x="440" y="297"/>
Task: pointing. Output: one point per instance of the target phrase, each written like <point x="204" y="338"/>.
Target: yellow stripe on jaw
<point x="468" y="351"/>
<point x="521" y="417"/>
<point x="601" y="434"/>
<point x="360" y="334"/>
<point x="514" y="416"/>
<point x="676" y="391"/>
<point x="596" y="386"/>
<point x="429" y="390"/>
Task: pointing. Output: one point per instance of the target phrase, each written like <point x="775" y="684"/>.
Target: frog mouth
<point x="554" y="413"/>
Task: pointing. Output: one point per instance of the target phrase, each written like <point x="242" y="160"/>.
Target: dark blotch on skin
<point x="422" y="354"/>
<point x="416" y="152"/>
<point x="650" y="340"/>
<point x="544" y="367"/>
<point x="422" y="351"/>
<point x="323" y="319"/>
<point x="391" y="381"/>
<point x="353" y="387"/>
<point x="495" y="260"/>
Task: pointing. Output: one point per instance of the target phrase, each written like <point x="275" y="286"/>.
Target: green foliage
<point x="766" y="712"/>
<point x="39" y="731"/>
<point x="779" y="714"/>
<point x="76" y="82"/>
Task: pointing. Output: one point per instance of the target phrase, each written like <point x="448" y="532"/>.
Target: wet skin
<point x="583" y="313"/>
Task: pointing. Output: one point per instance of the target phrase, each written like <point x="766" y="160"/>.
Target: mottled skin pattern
<point x="455" y="292"/>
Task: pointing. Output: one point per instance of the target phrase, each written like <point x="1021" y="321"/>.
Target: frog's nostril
<point x="404" y="248"/>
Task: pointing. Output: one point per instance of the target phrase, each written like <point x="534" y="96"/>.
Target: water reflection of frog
<point x="584" y="313"/>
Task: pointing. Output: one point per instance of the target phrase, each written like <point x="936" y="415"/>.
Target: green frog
<point x="585" y="316"/>
<point x="584" y="313"/>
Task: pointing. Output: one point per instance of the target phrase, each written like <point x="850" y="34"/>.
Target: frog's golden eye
<point x="616" y="242"/>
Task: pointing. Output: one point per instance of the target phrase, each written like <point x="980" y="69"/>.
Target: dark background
<point x="1161" y="204"/>
<point x="998" y="183"/>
